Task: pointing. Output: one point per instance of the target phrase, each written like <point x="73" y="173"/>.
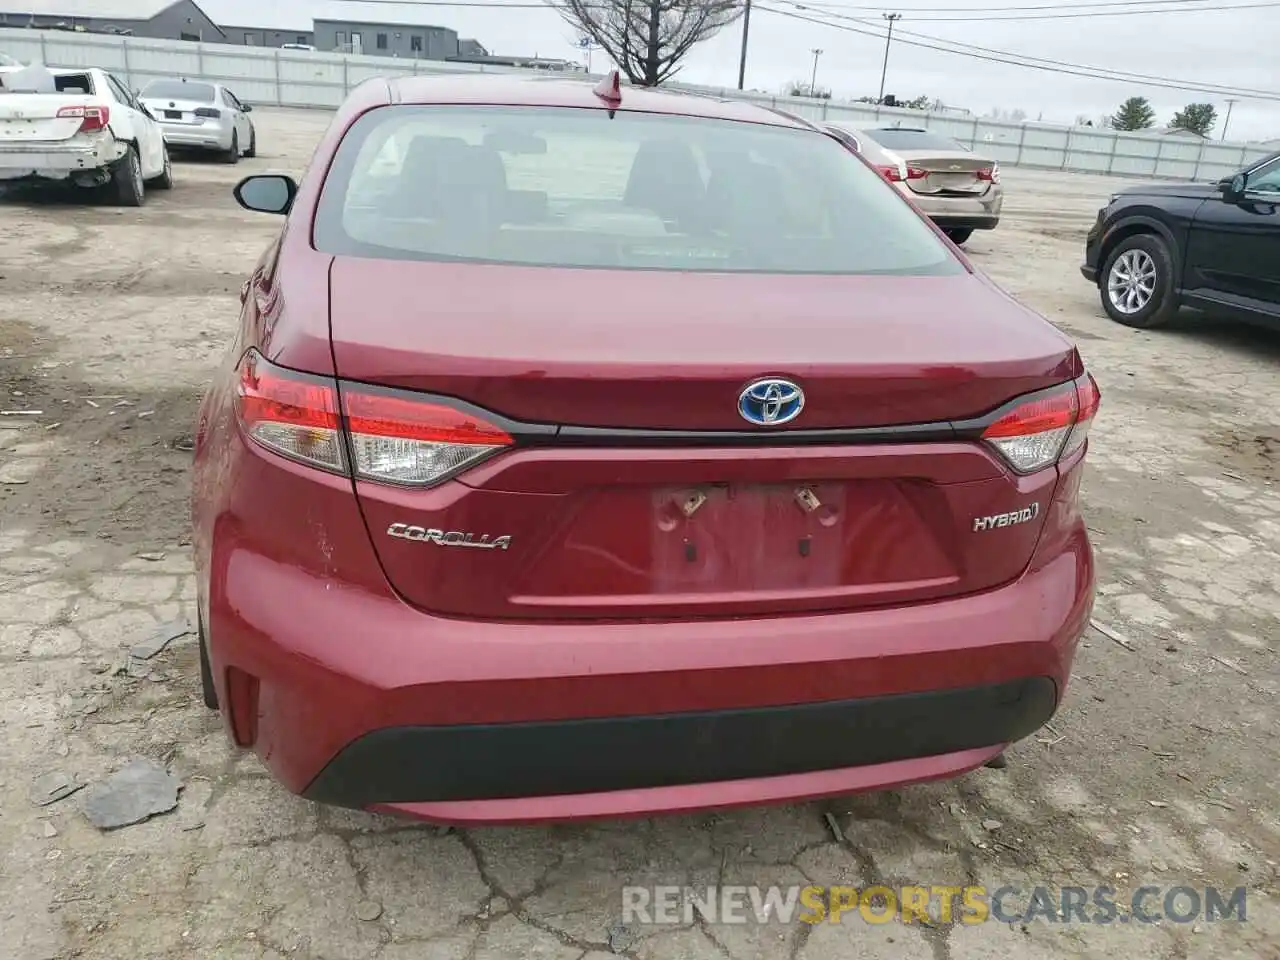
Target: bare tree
<point x="648" y="39"/>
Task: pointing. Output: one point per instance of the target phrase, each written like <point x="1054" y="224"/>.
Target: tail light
<point x="991" y="174"/>
<point x="91" y="118"/>
<point x="394" y="437"/>
<point x="213" y="113"/>
<point x="1038" y="432"/>
<point x="292" y="414"/>
<point x="894" y="175"/>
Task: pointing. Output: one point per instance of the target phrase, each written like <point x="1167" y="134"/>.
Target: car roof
<point x="519" y="91"/>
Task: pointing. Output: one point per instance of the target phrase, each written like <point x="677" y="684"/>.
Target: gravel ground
<point x="1160" y="770"/>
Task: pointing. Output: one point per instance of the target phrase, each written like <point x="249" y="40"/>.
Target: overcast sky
<point x="1223" y="47"/>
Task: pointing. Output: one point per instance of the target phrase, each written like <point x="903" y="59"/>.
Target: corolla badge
<point x="448" y="538"/>
<point x="770" y="402"/>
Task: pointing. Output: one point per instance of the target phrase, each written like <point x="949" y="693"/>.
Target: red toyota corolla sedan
<point x="601" y="451"/>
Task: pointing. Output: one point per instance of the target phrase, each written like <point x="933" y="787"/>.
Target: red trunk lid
<point x="624" y="527"/>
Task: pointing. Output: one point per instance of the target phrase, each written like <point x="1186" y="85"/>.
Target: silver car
<point x="957" y="189"/>
<point x="201" y="116"/>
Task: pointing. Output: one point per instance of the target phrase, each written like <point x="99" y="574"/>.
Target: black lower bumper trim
<point x="493" y="761"/>
<point x="1090" y="273"/>
<point x="949" y="222"/>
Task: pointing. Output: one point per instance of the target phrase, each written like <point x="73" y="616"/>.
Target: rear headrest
<point x="746" y="194"/>
<point x="666" y="179"/>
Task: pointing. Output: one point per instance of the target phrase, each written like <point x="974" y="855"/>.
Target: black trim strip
<point x="546" y="758"/>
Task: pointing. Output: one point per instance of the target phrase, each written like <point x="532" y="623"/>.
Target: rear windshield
<point x="573" y="188"/>
<point x="914" y="140"/>
<point x="177" y="90"/>
<point x="73" y="83"/>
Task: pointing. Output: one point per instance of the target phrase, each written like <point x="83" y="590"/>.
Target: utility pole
<point x="813" y="80"/>
<point x="892" y="18"/>
<point x="746" y="25"/>
<point x="1226" y="123"/>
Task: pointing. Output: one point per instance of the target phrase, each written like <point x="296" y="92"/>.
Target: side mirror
<point x="266" y="193"/>
<point x="1234" y="188"/>
<point x="247" y="107"/>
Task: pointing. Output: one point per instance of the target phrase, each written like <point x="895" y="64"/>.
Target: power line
<point x="1141" y="12"/>
<point x="1056" y="64"/>
<point x="1010" y="9"/>
<point x="1031" y="63"/>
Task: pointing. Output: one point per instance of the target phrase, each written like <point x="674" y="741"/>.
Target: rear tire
<point x="253" y="143"/>
<point x="1136" y="282"/>
<point x="165" y="180"/>
<point x="958" y="235"/>
<point x="126" y="186"/>
<point x="232" y="156"/>
<point x="207" y="689"/>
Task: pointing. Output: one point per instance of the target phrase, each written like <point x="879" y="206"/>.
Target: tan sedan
<point x="958" y="189"/>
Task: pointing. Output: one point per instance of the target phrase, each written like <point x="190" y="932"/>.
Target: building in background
<point x="404" y="40"/>
<point x="163" y="19"/>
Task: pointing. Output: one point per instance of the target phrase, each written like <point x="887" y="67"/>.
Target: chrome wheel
<point x="1132" y="281"/>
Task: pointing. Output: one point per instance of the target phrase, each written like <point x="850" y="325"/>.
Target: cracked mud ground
<point x="1161" y="769"/>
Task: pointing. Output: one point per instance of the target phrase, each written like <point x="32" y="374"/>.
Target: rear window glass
<point x="573" y="188"/>
<point x="73" y="83"/>
<point x="177" y="90"/>
<point x="914" y="140"/>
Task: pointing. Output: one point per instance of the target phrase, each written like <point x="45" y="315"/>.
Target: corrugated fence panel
<point x="296" y="78"/>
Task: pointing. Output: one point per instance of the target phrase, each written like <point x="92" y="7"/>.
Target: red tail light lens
<point x="292" y="414"/>
<point x="895" y="174"/>
<point x="394" y="437"/>
<point x="991" y="174"/>
<point x="1038" y="432"/>
<point x="399" y="439"/>
<point x="211" y="112"/>
<point x="91" y="118"/>
<point x="1090" y="398"/>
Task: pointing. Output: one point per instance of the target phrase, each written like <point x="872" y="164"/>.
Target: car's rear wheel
<point x="253" y="143"/>
<point x="1137" y="282"/>
<point x="958" y="235"/>
<point x="165" y="180"/>
<point x="208" y="690"/>
<point x="233" y="155"/>
<point x="126" y="185"/>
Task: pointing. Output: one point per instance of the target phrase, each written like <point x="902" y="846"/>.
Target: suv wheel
<point x="1137" y="282"/>
<point x="958" y="235"/>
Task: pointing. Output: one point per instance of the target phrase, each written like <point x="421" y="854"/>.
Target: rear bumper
<point x="972" y="213"/>
<point x="193" y="137"/>
<point x="352" y="697"/>
<point x="57" y="160"/>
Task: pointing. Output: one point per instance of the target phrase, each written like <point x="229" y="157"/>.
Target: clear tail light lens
<point x="398" y="439"/>
<point x="91" y="118"/>
<point x="1038" y="432"/>
<point x="292" y="414"/>
<point x="394" y="437"/>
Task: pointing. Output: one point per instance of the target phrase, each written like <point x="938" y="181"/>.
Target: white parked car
<point x="201" y="116"/>
<point x="83" y="126"/>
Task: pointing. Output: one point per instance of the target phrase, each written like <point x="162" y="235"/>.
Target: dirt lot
<point x="1163" y="768"/>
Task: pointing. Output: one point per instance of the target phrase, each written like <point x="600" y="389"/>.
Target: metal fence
<point x="301" y="78"/>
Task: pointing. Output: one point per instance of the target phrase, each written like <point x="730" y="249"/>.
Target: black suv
<point x="1213" y="247"/>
